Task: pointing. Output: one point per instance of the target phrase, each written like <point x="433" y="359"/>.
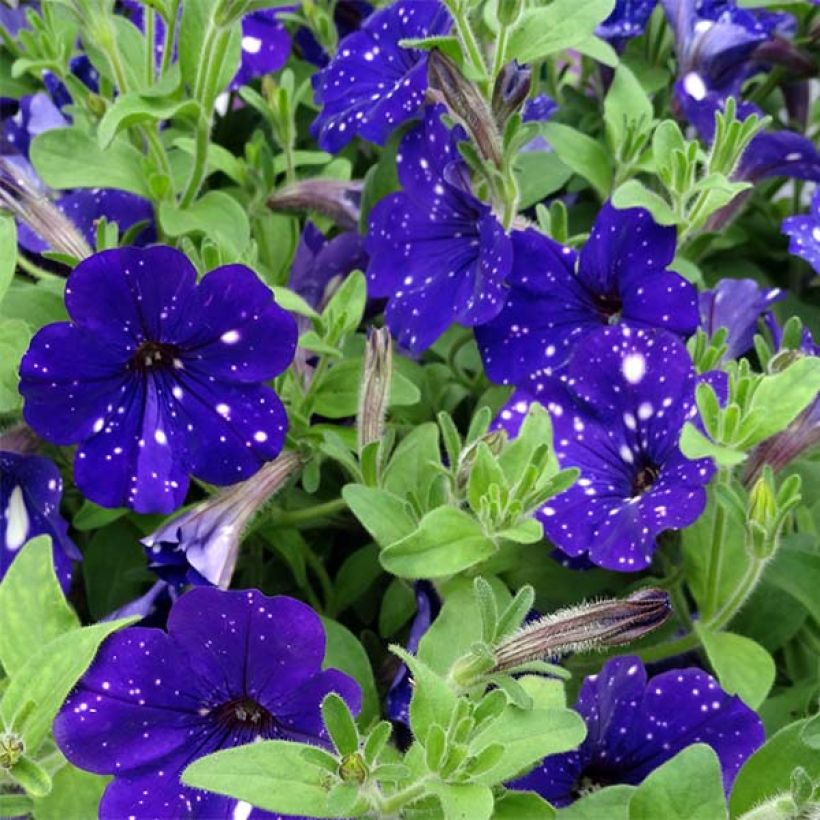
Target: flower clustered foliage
<point x="409" y="409"/>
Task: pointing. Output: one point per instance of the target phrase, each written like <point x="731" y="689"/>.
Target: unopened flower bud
<point x="495" y="440"/>
<point x="96" y="105"/>
<point x="333" y="198"/>
<point x="466" y="104"/>
<point x="19" y="195"/>
<point x="510" y="91"/>
<point x="12" y="749"/>
<point x="585" y="627"/>
<point x="201" y="545"/>
<point x="374" y="393"/>
<point x="508" y="11"/>
<point x="19" y="439"/>
<point x="353" y="769"/>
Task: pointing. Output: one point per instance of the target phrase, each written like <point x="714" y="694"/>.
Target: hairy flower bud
<point x="201" y="545"/>
<point x="19" y="195"/>
<point x="510" y="91"/>
<point x="353" y="769"/>
<point x="466" y="104"/>
<point x="333" y="198"/>
<point x="20" y="439"/>
<point x="585" y="627"/>
<point x="374" y="393"/>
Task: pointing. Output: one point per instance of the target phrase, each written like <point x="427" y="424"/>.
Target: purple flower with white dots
<point x="438" y="253"/>
<point x="30" y="493"/>
<point x="85" y="207"/>
<point x="233" y="668"/>
<point x="348" y="16"/>
<point x="556" y="297"/>
<point x="373" y="85"/>
<point x="158" y="377"/>
<point x="617" y="413"/>
<point x="635" y="725"/>
<point x="265" y="46"/>
<point x="628" y="19"/>
<point x="737" y="305"/>
<point x="804" y="233"/>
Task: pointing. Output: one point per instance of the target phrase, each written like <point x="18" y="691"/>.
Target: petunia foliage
<point x="409" y="409"/>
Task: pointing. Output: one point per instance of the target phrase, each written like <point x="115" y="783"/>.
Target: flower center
<point x="244" y="714"/>
<point x="609" y="307"/>
<point x="645" y="478"/>
<point x="152" y="356"/>
<point x="591" y="781"/>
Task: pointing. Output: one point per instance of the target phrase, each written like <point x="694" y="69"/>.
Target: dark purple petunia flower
<point x="348" y="16"/>
<point x="634" y="725"/>
<point x="437" y="252"/>
<point x="617" y="413"/>
<point x="30" y="493"/>
<point x="83" y="69"/>
<point x="158" y="377"/>
<point x="319" y="260"/>
<point x="557" y="297"/>
<point x="737" y="305"/>
<point x="265" y="46"/>
<point x="628" y="19"/>
<point x="233" y="668"/>
<point x="717" y="41"/>
<point x="35" y="114"/>
<point x="428" y="606"/>
<point x="373" y="85"/>
<point x="804" y="233"/>
<point x="87" y="206"/>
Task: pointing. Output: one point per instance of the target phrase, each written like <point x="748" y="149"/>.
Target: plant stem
<point x="307" y="515"/>
<point x="715" y="557"/>
<point x="37" y="272"/>
<point x="468" y="39"/>
<point x="390" y="805"/>
<point x="499" y="57"/>
<point x="170" y="38"/>
<point x="150" y="37"/>
<point x="738" y="598"/>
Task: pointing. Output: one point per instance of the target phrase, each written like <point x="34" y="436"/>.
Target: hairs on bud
<point x="374" y="395"/>
<point x="591" y="626"/>
<point x="333" y="198"/>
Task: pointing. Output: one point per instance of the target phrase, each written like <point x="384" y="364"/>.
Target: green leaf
<point x="29" y="774"/>
<point x="215" y="215"/>
<point x="74" y="793"/>
<point x="611" y="803"/>
<point x="433" y="700"/>
<point x="218" y="159"/>
<point x="523" y="806"/>
<point x="70" y="158"/>
<point x="49" y="675"/>
<point x="527" y="737"/>
<point x="694" y="444"/>
<point x="688" y="786"/>
<point x="768" y="771"/>
<point x="561" y="25"/>
<point x="633" y="194"/>
<point x="586" y="156"/>
<point x="780" y="398"/>
<point x="539" y="174"/>
<point x="8" y="252"/>
<point x="398" y="606"/>
<point x="447" y="541"/>
<point x="357" y="574"/>
<point x="742" y="665"/>
<point x="796" y="570"/>
<point x="293" y="302"/>
<point x="274" y="775"/>
<point x="339" y="724"/>
<point x="626" y="105"/>
<point x="15" y="336"/>
<point x="409" y="470"/>
<point x="33" y="609"/>
<point x="385" y="516"/>
<point x="343" y="651"/>
<point x="195" y="30"/>
<point x="132" y="109"/>
<point x="344" y="311"/>
<point x="464" y="801"/>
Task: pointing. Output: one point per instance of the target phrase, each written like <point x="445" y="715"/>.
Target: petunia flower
<point x="628" y="19"/>
<point x="737" y="305"/>
<point x="265" y="46"/>
<point x="348" y="16"/>
<point x="30" y="491"/>
<point x="717" y="41"/>
<point x="804" y="233"/>
<point x="201" y="545"/>
<point x="556" y="296"/>
<point x="437" y="252"/>
<point x="617" y="413"/>
<point x="634" y="725"/>
<point x="35" y="114"/>
<point x="372" y="85"/>
<point x="233" y="668"/>
<point x="85" y="207"/>
<point x="157" y="377"/>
